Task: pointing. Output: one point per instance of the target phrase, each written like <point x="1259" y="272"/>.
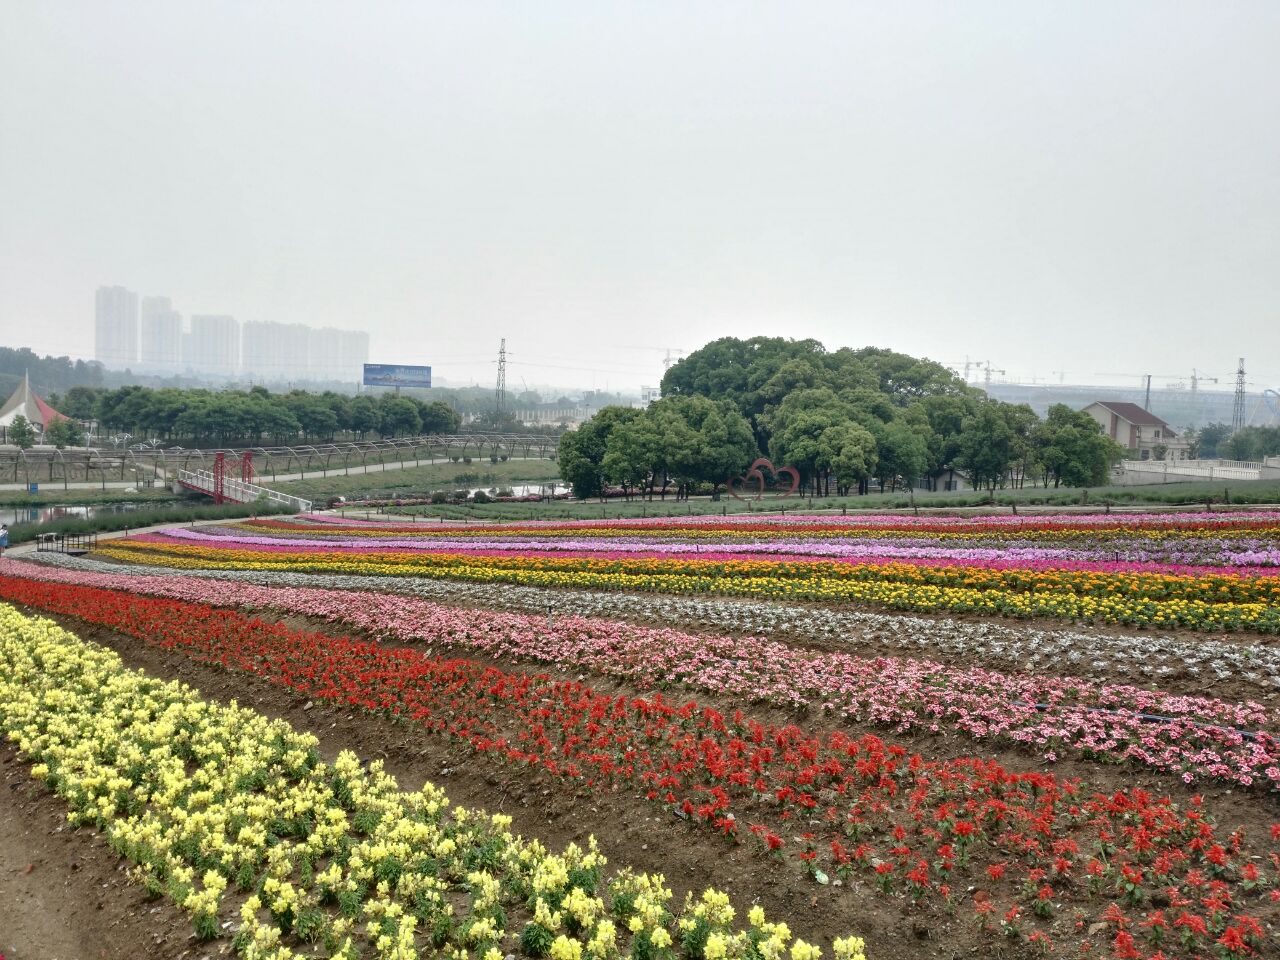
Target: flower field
<point x="330" y="854"/>
<point x="850" y="719"/>
<point x="1199" y="571"/>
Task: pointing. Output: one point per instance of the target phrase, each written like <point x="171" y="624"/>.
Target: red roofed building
<point x="26" y="403"/>
<point x="1139" y="431"/>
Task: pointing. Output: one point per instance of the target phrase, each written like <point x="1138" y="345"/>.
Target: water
<point x="527" y="489"/>
<point x="63" y="511"/>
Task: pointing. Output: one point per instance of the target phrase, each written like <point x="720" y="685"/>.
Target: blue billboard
<point x="394" y="375"/>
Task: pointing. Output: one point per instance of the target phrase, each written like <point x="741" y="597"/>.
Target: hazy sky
<point x="1089" y="187"/>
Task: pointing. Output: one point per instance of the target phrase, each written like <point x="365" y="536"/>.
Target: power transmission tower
<point x="1237" y="412"/>
<point x="500" y="393"/>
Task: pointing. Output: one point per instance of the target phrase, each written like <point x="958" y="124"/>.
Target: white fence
<point x="1172" y="471"/>
<point x="238" y="490"/>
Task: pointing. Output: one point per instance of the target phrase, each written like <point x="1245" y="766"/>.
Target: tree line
<point x="253" y="417"/>
<point x="1216" y="441"/>
<point x="843" y="419"/>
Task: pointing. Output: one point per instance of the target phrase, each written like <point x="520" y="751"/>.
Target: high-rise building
<point x="275" y="351"/>
<point x="213" y="346"/>
<point x="337" y="355"/>
<point x="115" y="329"/>
<point x="161" y="344"/>
<point x="355" y="351"/>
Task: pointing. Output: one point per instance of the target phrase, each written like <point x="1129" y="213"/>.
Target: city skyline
<point x="148" y="335"/>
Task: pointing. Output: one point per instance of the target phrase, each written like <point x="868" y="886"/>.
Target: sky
<point x="1085" y="192"/>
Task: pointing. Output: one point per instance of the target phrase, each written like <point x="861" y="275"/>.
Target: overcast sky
<point x="1089" y="187"/>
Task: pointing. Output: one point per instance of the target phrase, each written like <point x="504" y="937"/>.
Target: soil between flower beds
<point x="64" y="894"/>
<point x="634" y="831"/>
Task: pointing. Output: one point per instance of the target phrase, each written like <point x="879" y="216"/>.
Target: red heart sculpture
<point x="755" y="471"/>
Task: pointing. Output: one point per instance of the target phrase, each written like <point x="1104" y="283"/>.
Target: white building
<point x="1139" y="431"/>
<point x="338" y="354"/>
<point x="274" y="351"/>
<point x="115" y="329"/>
<point x="212" y="347"/>
<point x="161" y="342"/>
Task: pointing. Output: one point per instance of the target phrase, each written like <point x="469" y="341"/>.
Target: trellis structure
<point x="157" y="466"/>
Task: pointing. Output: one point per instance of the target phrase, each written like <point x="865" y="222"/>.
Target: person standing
<point x="4" y="538"/>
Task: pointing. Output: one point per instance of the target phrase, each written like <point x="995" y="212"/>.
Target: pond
<point x="64" y="511"/>
<point x="526" y="489"/>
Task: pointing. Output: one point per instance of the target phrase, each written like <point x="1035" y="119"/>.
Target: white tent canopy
<point x="26" y="403"/>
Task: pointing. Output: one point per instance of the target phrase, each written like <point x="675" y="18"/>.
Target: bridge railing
<point x="239" y="490"/>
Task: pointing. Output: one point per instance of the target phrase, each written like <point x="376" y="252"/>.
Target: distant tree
<point x="850" y="455"/>
<point x="902" y="454"/>
<point x="399" y="417"/>
<point x="1208" y="439"/>
<point x="364" y="415"/>
<point x="582" y="451"/>
<point x="1252" y="444"/>
<point x="62" y="433"/>
<point x="439" y="418"/>
<point x="987" y="447"/>
<point x="21" y="433"/>
<point x="494" y="421"/>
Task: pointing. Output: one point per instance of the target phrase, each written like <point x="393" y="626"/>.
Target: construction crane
<point x="987" y="371"/>
<point x="1197" y="378"/>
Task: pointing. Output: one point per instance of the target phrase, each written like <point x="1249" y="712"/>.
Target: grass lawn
<point x="1167" y="494"/>
<point x="421" y="480"/>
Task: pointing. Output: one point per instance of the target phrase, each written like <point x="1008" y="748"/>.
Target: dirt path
<point x="64" y="895"/>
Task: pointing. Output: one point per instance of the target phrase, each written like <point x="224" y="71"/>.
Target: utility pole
<point x="1146" y="403"/>
<point x="1237" y="411"/>
<point x="500" y="392"/>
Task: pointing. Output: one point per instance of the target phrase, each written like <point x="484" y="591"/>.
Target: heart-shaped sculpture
<point x="735" y="485"/>
<point x="757" y="472"/>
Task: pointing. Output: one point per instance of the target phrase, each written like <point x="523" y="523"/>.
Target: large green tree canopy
<point x="841" y="418"/>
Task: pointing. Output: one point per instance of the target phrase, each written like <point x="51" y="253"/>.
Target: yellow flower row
<point x="1154" y="599"/>
<point x="1214" y="588"/>
<point x="335" y="854"/>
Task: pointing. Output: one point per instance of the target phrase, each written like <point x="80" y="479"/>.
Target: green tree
<point x="851" y="455"/>
<point x="1070" y="448"/>
<point x="1209" y="439"/>
<point x="902" y="454"/>
<point x="582" y="451"/>
<point x="62" y="433"/>
<point x="399" y="417"/>
<point x="364" y="415"/>
<point x="987" y="447"/>
<point x="80" y="403"/>
<point x="440" y="418"/>
<point x="21" y="434"/>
